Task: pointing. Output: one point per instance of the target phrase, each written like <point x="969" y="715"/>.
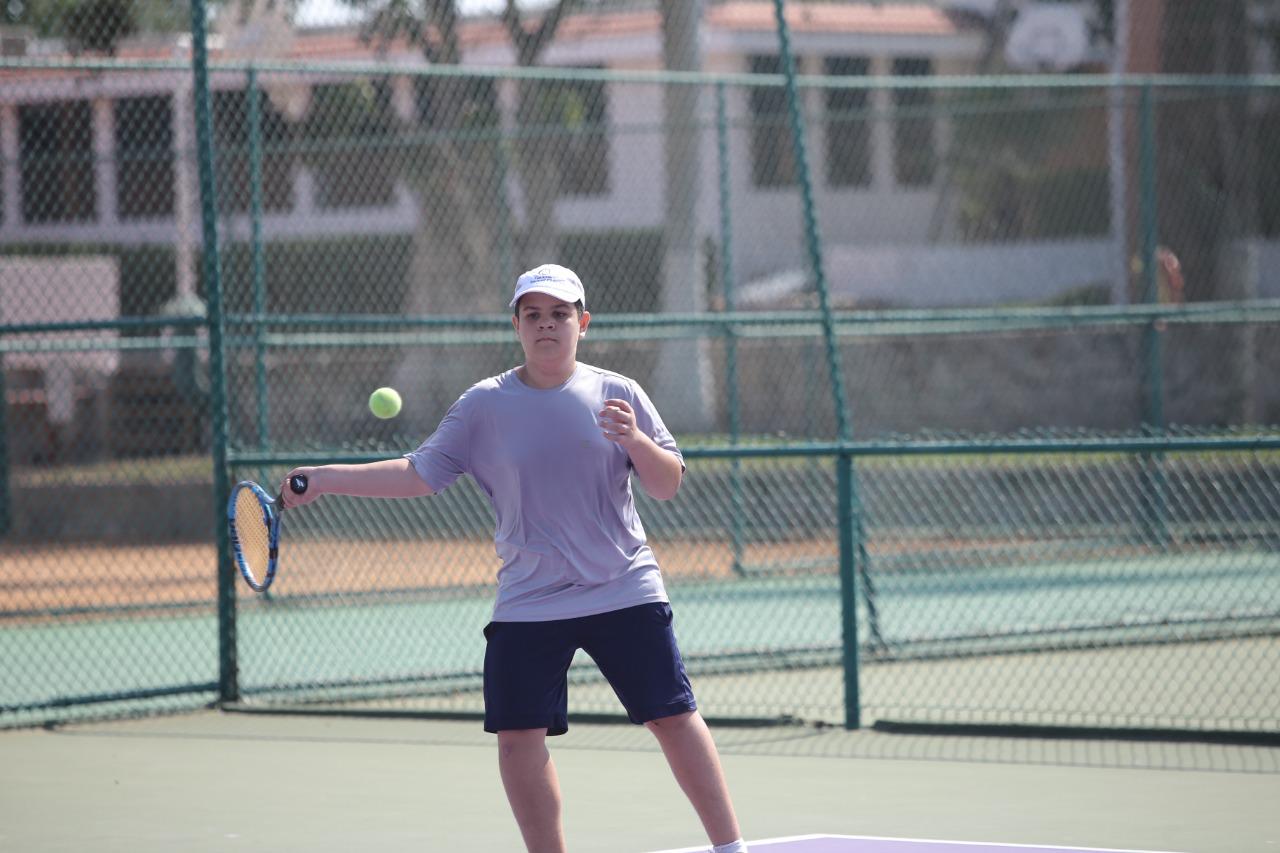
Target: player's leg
<point x="686" y="742"/>
<point x="526" y="699"/>
<point x="636" y="651"/>
<point x="533" y="790"/>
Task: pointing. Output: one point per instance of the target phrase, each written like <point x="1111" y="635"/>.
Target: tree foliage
<point x="97" y="26"/>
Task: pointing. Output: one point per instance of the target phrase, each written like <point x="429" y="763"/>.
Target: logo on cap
<point x="553" y="279"/>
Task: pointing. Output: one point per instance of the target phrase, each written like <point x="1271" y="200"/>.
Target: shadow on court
<point x="213" y="781"/>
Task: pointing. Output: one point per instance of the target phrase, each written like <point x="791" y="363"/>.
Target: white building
<point x="88" y="157"/>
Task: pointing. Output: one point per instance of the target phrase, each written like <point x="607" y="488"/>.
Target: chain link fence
<point x="983" y="380"/>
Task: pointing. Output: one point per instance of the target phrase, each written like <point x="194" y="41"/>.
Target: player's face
<point x="549" y="328"/>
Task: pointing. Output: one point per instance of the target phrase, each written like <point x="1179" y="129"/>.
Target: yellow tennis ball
<point x="385" y="402"/>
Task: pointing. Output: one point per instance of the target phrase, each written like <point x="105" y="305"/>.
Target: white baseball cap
<point x="553" y="280"/>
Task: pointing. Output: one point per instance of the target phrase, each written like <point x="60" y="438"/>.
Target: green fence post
<point x="259" y="260"/>
<point x="846" y="502"/>
<point x="1152" y="336"/>
<point x="814" y="244"/>
<point x="506" y="240"/>
<point x="812" y="240"/>
<point x="6" y="517"/>
<point x="737" y="501"/>
<point x="228" y="676"/>
<point x="1153" y="409"/>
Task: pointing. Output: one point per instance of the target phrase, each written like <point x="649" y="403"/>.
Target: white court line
<point x="705" y="848"/>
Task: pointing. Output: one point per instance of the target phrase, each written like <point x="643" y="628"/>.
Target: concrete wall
<point x="947" y="276"/>
<point x="116" y="513"/>
<point x="1213" y="376"/>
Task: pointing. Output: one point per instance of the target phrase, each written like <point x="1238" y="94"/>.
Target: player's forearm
<point x="659" y="470"/>
<point x="390" y="478"/>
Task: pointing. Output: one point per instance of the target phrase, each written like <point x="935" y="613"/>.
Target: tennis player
<point x="553" y="444"/>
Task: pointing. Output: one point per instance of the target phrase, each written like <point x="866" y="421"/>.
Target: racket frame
<point x="271" y="516"/>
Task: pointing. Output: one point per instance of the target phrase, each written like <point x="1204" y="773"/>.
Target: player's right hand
<point x="289" y="498"/>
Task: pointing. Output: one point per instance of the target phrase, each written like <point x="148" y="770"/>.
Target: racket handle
<point x="298" y="483"/>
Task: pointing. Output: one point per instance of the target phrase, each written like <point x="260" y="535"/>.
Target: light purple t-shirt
<point x="568" y="535"/>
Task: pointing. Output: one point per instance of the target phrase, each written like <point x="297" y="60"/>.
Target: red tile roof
<point x="860" y="18"/>
<point x="903" y="18"/>
<point x="744" y="16"/>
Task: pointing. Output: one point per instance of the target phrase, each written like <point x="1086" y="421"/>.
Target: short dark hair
<point x="578" y="306"/>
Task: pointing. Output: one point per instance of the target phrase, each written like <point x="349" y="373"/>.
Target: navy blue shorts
<point x="526" y="666"/>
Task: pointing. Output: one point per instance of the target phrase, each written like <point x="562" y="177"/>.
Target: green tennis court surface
<point x="865" y="844"/>
<point x="212" y="782"/>
<point x="417" y="636"/>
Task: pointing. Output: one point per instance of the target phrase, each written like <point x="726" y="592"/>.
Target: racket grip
<point x="298" y="483"/>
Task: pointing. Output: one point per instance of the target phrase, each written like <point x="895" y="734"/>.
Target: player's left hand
<point x="618" y="420"/>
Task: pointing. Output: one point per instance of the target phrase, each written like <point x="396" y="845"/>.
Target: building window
<point x="772" y="161"/>
<point x="848" y="125"/>
<point x="56" y="151"/>
<point x="914" y="158"/>
<point x="584" y="157"/>
<point x="144" y="157"/>
<point x="565" y="123"/>
<point x="231" y="146"/>
<point x="350" y="134"/>
<point x="456" y="136"/>
<point x="463" y="107"/>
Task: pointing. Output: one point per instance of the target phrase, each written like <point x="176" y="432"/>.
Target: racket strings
<point x="253" y="534"/>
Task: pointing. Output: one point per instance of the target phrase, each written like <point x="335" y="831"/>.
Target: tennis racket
<point x="253" y="517"/>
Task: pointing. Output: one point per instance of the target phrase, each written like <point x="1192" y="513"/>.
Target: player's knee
<point x="671" y="723"/>
<point x="514" y="742"/>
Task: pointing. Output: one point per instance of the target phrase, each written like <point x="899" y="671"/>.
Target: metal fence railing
<point x="973" y="378"/>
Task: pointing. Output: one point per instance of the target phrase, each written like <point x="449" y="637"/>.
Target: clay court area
<point x="62" y="580"/>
